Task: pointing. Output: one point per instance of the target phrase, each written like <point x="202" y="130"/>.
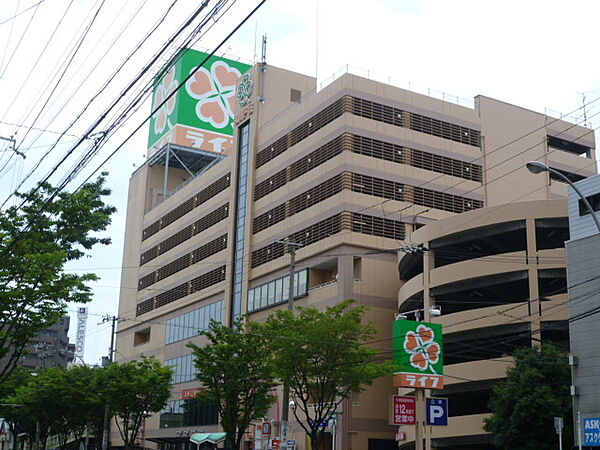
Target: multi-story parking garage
<point x="498" y="275"/>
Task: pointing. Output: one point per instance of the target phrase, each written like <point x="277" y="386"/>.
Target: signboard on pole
<point x="82" y="314"/>
<point x="558" y="424"/>
<point x="405" y="410"/>
<point x="437" y="411"/>
<point x="266" y="429"/>
<point x="591" y="432"/>
<point x="418" y="350"/>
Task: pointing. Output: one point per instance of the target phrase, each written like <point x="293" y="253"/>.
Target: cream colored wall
<point x="131" y="251"/>
<point x="514" y="136"/>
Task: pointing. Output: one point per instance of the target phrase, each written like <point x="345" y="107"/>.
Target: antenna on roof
<point x="584" y="107"/>
<point x="263" y="56"/>
<point x="255" y="39"/>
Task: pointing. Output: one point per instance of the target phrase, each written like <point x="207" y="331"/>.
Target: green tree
<point x="323" y="357"/>
<point x="60" y="401"/>
<point x="35" y="245"/>
<point x="18" y="419"/>
<point x="133" y="391"/>
<point x="236" y="372"/>
<point x="539" y="381"/>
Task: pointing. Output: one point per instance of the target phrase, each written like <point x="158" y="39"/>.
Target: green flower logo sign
<point x="214" y="91"/>
<point x="165" y="88"/>
<point x="423" y="350"/>
<point x="418" y="353"/>
<point x="201" y="113"/>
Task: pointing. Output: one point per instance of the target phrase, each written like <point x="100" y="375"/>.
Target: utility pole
<point x="13" y="141"/>
<point x="285" y="397"/>
<point x="106" y="428"/>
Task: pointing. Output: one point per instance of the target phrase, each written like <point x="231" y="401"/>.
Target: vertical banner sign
<point x="82" y="314"/>
<point x="418" y="351"/>
<point x="200" y="114"/>
<point x="405" y="410"/>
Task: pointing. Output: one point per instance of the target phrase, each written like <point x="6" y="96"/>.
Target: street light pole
<point x="285" y="396"/>
<point x="536" y="167"/>
<point x="106" y="426"/>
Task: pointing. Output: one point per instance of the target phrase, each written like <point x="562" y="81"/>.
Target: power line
<point x="19" y="42"/>
<point x="22" y="12"/>
<point x="192" y="73"/>
<point x="31" y="71"/>
<point x="87" y="135"/>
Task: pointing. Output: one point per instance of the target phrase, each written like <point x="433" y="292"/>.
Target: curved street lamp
<point x="538" y="167"/>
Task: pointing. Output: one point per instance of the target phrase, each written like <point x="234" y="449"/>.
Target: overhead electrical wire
<point x="60" y="74"/>
<point x="68" y="64"/>
<point x="12" y="25"/>
<point x="22" y="12"/>
<point x="172" y="94"/>
<point x="108" y="81"/>
<point x="3" y="72"/>
<point x="71" y="175"/>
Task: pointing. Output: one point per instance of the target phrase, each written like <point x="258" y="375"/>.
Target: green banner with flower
<point x="200" y="114"/>
<point x="418" y="347"/>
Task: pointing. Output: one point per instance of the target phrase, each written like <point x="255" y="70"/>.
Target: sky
<point x="536" y="54"/>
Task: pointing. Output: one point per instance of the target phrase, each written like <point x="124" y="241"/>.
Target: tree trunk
<point x="315" y="440"/>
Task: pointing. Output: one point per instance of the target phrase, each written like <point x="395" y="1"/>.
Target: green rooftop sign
<point x="200" y="114"/>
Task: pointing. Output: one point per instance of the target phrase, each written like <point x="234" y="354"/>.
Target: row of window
<point x="184" y="289"/>
<point x="374" y="111"/>
<point x="191" y="323"/>
<point x="191" y="203"/>
<point x="277" y="291"/>
<point x="368" y="185"/>
<point x="187" y="413"/>
<point x="183" y="369"/>
<point x="212" y="218"/>
<point x="372" y="148"/>
<point x="239" y="237"/>
<point x="344" y="221"/>
<point x="193" y="257"/>
<point x="309" y="235"/>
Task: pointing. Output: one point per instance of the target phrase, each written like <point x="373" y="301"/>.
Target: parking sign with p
<point x="437" y="411"/>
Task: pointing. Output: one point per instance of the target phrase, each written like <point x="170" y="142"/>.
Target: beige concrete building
<point x="353" y="168"/>
<point x="498" y="275"/>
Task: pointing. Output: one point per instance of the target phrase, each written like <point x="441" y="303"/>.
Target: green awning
<point x="200" y="438"/>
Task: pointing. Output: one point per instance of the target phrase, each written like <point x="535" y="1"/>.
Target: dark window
<point x="191" y="412"/>
<point x="568" y="146"/>
<point x="295" y="95"/>
<point x="570" y="175"/>
<point x="594" y="201"/>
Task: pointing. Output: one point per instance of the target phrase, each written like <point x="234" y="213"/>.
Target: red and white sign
<point x="400" y="436"/>
<point x="266" y="428"/>
<point x="413" y="380"/>
<point x="405" y="410"/>
<point x="189" y="393"/>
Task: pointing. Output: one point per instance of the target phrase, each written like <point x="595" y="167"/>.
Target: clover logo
<point x="165" y="88"/>
<point x="215" y="92"/>
<point x="423" y="350"/>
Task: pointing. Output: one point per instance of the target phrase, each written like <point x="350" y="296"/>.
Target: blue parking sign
<point x="591" y="432"/>
<point x="437" y="411"/>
